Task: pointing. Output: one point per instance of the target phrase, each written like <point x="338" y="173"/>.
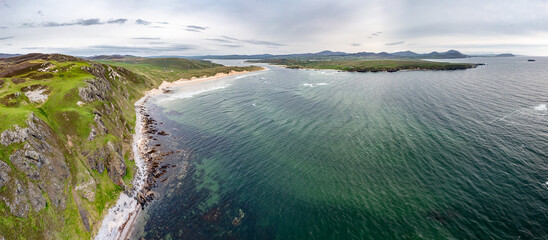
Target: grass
<point x="171" y="69"/>
<point x="370" y="65"/>
<point x="69" y="121"/>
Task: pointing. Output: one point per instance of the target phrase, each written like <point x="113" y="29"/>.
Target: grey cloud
<point x="80" y="22"/>
<point x="196" y="27"/>
<point x="88" y="22"/>
<point x="162" y="22"/>
<point x="355" y="44"/>
<point x="265" y="43"/>
<point x="219" y="40"/>
<point x="170" y="48"/>
<point x="156" y="27"/>
<point x="230" y="38"/>
<point x="118" y="21"/>
<point x="40" y="13"/>
<point x="395" y="43"/>
<point x="5" y="38"/>
<point x="142" y="22"/>
<point x="255" y="42"/>
<point x="146" y="38"/>
<point x="231" y="46"/>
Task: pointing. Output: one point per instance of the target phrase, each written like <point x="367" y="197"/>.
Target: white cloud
<point x="276" y="26"/>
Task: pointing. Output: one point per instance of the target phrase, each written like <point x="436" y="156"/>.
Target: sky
<point x="203" y="27"/>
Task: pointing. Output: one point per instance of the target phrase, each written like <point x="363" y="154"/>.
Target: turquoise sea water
<point x="305" y="154"/>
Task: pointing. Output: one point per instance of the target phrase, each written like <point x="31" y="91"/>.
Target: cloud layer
<point x="250" y="27"/>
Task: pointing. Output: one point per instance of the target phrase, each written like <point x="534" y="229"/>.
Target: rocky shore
<point x="118" y="223"/>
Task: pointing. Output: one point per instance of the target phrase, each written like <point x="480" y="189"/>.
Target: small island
<point x="368" y="65"/>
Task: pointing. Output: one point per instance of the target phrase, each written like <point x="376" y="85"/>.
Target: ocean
<point x="322" y="154"/>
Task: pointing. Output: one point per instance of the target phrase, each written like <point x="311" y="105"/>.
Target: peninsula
<point x="368" y="65"/>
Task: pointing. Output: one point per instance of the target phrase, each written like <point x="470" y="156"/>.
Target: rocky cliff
<point x="65" y="157"/>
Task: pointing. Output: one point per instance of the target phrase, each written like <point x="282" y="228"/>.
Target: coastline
<point x="118" y="223"/>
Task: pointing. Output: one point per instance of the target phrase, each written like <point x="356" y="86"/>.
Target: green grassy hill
<point x="66" y="128"/>
<point x="171" y="69"/>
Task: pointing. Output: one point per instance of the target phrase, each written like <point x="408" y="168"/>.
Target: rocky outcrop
<point x="97" y="89"/>
<point x="41" y="159"/>
<point x="5" y="169"/>
<point x="36" y="199"/>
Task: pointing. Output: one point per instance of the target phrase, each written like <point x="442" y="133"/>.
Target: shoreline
<point x="118" y="223"/>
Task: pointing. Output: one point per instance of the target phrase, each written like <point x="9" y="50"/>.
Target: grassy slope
<point x="71" y="122"/>
<point x="171" y="69"/>
<point x="371" y="65"/>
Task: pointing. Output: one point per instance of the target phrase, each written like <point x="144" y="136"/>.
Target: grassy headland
<point x="66" y="128"/>
<point x="369" y="65"/>
<point x="171" y="69"/>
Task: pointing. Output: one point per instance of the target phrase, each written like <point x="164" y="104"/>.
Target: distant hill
<point x="505" y="55"/>
<point x="330" y="55"/>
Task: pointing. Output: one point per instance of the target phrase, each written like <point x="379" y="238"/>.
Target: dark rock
<point x="18" y="205"/>
<point x="92" y="133"/>
<point x="5" y="169"/>
<point x="25" y="163"/>
<point x="41" y="158"/>
<point x="116" y="164"/>
<point x="97" y="89"/>
<point x="36" y="199"/>
<point x="100" y="124"/>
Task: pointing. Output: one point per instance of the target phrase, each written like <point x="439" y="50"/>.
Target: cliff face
<point x="65" y="143"/>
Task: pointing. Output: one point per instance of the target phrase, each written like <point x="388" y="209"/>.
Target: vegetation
<point x="171" y="69"/>
<point x="369" y="65"/>
<point x="60" y="78"/>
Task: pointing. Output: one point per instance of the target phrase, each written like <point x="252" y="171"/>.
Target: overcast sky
<point x="199" y="27"/>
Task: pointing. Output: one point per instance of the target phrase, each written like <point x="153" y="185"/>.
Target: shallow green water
<point x="330" y="155"/>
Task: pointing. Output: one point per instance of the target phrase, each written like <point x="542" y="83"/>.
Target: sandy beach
<point x="118" y="223"/>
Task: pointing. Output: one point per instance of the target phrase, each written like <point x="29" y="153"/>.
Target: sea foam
<point x="189" y="94"/>
<point x="541" y="107"/>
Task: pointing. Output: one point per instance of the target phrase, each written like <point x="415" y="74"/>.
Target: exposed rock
<point x="97" y="89"/>
<point x="41" y="158"/>
<point x="116" y="164"/>
<point x="25" y="160"/>
<point x="36" y="93"/>
<point x="5" y="169"/>
<point x="84" y="215"/>
<point x="16" y="135"/>
<point x="18" y="205"/>
<point x="87" y="189"/>
<point x="100" y="124"/>
<point x="92" y="133"/>
<point x="113" y="74"/>
<point x="36" y="199"/>
<point x="95" y="160"/>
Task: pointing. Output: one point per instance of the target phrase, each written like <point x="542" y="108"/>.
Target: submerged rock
<point x="238" y="220"/>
